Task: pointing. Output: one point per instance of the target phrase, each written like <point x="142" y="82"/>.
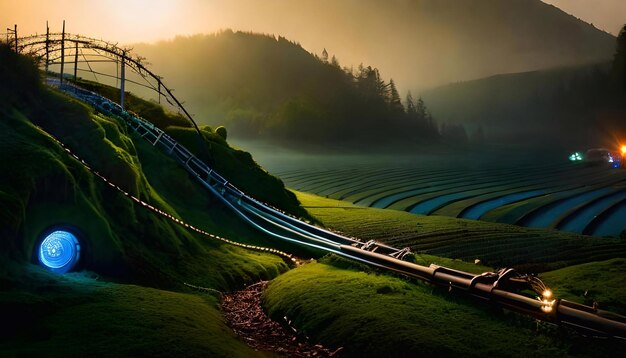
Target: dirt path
<point x="246" y="317"/>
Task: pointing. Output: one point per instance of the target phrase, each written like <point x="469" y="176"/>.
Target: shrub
<point x="221" y="131"/>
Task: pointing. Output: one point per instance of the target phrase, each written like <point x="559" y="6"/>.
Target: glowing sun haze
<point x="315" y="24"/>
<point x="125" y="21"/>
<point x="129" y="21"/>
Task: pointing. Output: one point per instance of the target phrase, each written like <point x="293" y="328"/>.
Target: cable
<point x="166" y="215"/>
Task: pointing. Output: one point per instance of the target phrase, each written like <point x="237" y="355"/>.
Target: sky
<point x="607" y="15"/>
<point x="133" y="21"/>
<point x="117" y="20"/>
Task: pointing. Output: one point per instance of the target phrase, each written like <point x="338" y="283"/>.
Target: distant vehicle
<point x="598" y="156"/>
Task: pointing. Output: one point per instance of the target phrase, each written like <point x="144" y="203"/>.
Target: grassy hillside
<point x="41" y="186"/>
<point x="378" y="315"/>
<point x="602" y="282"/>
<point x="584" y="264"/>
<point x="47" y="187"/>
<point x="235" y="165"/>
<point x="568" y="106"/>
<point x="496" y="245"/>
<point x="78" y="314"/>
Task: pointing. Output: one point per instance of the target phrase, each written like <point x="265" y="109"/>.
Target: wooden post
<point x="62" y="51"/>
<point x="15" y="32"/>
<point x="47" y="46"/>
<point x="75" y="60"/>
<point x="117" y="74"/>
<point x="123" y="75"/>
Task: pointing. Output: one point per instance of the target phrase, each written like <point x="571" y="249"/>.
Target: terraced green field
<point x="415" y="319"/>
<point x="554" y="194"/>
<point x="495" y="244"/>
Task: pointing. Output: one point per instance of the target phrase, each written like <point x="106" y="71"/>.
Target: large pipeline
<point x="501" y="288"/>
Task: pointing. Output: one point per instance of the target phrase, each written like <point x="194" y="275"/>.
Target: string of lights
<point x="168" y="216"/>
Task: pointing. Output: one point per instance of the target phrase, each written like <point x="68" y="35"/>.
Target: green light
<point x="575" y="157"/>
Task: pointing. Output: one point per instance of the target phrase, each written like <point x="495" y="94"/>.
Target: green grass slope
<point x="235" y="165"/>
<point x="496" y="245"/>
<point x="602" y="282"/>
<point x="79" y="315"/>
<point x="375" y="315"/>
<point x="41" y="186"/>
<point x="342" y="304"/>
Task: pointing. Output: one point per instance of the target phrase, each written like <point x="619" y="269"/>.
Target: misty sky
<point x="132" y="21"/>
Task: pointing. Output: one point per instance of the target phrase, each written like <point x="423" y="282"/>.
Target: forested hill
<point x="427" y="43"/>
<point x="574" y="106"/>
<point x="579" y="106"/>
<point x="260" y="86"/>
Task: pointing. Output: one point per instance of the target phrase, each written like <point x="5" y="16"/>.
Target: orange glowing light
<point x="623" y="149"/>
<point x="547" y="293"/>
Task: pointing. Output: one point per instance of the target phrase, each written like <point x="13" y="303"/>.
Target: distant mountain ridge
<point x="568" y="106"/>
<point x="488" y="37"/>
<point x="266" y="87"/>
<point x="426" y="43"/>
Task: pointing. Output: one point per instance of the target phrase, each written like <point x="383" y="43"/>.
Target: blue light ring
<point x="59" y="249"/>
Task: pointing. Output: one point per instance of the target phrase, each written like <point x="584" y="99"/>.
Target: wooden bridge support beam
<point x="122" y="78"/>
<point x="47" y="46"/>
<point x="15" y="32"/>
<point x="62" y="51"/>
<point x="75" y="60"/>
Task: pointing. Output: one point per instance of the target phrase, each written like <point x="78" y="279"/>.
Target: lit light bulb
<point x="623" y="149"/>
<point x="547" y="294"/>
<point x="546" y="308"/>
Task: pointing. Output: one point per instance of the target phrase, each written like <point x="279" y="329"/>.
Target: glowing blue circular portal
<point x="59" y="251"/>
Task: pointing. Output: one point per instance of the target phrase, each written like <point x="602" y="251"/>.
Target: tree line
<point x="267" y="87"/>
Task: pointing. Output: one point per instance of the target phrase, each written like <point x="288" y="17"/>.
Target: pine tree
<point x="324" y="55"/>
<point x="394" y="98"/>
<point x="420" y="109"/>
<point x="370" y="83"/>
<point x="410" y="106"/>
